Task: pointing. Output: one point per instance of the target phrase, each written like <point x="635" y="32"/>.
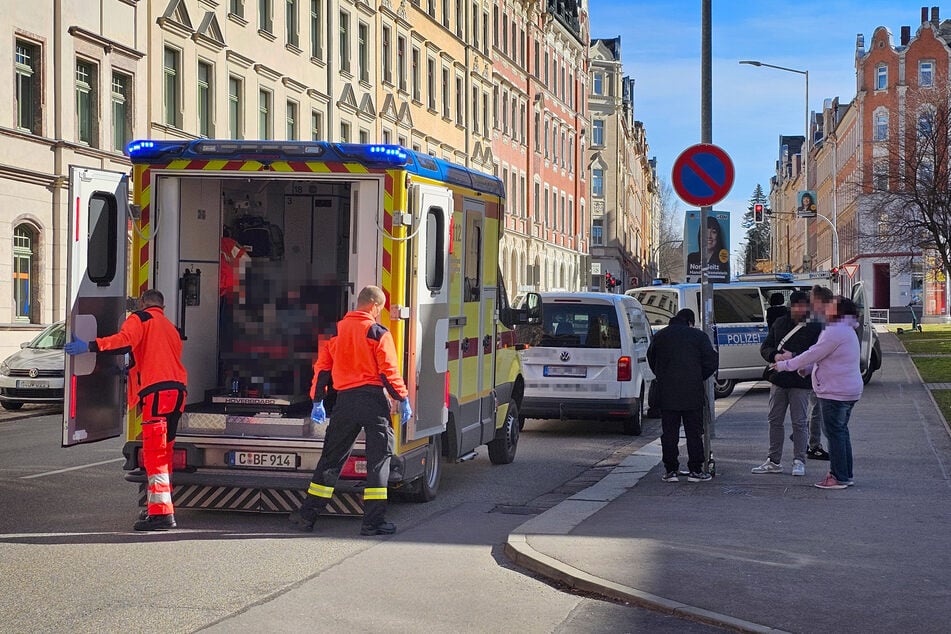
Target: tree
<point x="669" y="248"/>
<point x="757" y="233"/>
<point x="905" y="201"/>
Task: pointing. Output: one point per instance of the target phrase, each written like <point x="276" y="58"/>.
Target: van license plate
<point x="261" y="460"/>
<point x="566" y="370"/>
<point x="33" y="384"/>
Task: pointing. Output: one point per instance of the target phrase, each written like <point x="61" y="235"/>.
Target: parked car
<point x="587" y="359"/>
<point x="35" y="373"/>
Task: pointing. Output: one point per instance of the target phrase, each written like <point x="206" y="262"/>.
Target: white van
<point x="587" y="359"/>
<point x="739" y="312"/>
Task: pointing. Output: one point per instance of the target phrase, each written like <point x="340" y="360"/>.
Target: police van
<point x="740" y="318"/>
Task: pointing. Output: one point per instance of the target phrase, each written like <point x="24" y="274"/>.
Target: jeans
<point x="670" y="438"/>
<point x="797" y="401"/>
<point x="815" y="422"/>
<point x="835" y="423"/>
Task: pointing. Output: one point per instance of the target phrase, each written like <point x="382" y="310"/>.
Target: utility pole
<point x="706" y="136"/>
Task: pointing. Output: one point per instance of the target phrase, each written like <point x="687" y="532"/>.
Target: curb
<point x="11" y="416"/>
<point x="564" y="516"/>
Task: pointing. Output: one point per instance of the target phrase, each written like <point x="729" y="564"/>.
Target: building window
<point x="236" y="7"/>
<point x="385" y="49"/>
<point x="265" y="16"/>
<point x="547" y="218"/>
<point x="445" y="93"/>
<point x="485" y="113"/>
<point x="121" y="102"/>
<point x="475" y="110"/>
<point x="344" y="132"/>
<point x="545" y="68"/>
<point x="460" y="102"/>
<point x="598" y="87"/>
<point x="538" y="202"/>
<point x="235" y="90"/>
<point x="475" y="25"/>
<point x="290" y="15"/>
<point x="87" y="103"/>
<point x="547" y="139"/>
<point x="926" y="74"/>
<point x="24" y="241"/>
<point x="316" y="26"/>
<point x="204" y="99"/>
<point x="495" y="26"/>
<point x="172" y="98"/>
<point x="880" y="128"/>
<point x="401" y="62"/>
<point x="415" y="73"/>
<point x="316" y="126"/>
<point x="597" y="132"/>
<point x="485" y="32"/>
<point x="881" y="77"/>
<point x="597" y="232"/>
<point x="597" y="182"/>
<point x="291" y="120"/>
<point x="445" y="13"/>
<point x="387" y="137"/>
<point x="880" y="179"/>
<point x="265" y="128"/>
<point x="363" y="33"/>
<point x="28" y="86"/>
<point x="537" y="131"/>
<point x="460" y="23"/>
<point x="431" y="83"/>
<point x="926" y="125"/>
<point x="344" y="43"/>
<point x="505" y="33"/>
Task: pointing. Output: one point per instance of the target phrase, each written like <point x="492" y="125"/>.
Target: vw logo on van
<point x="33" y="373"/>
<point x="565" y="356"/>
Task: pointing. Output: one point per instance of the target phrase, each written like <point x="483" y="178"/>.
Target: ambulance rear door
<point x="429" y="334"/>
<point x="95" y="392"/>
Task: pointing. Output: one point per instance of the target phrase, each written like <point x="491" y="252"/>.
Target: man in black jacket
<point x="682" y="358"/>
<point x="793" y="333"/>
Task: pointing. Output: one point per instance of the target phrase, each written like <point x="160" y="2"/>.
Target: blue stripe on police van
<point x="740" y="335"/>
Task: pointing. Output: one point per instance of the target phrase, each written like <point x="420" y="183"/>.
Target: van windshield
<point x="579" y="326"/>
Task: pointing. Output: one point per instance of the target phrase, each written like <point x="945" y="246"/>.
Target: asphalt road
<point x="69" y="560"/>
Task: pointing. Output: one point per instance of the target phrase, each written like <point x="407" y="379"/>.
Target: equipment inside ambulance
<point x="310" y="224"/>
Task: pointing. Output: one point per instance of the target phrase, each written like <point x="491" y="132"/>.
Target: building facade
<point x="624" y="190"/>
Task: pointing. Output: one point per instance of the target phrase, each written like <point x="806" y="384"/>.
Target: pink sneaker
<point x="830" y="483"/>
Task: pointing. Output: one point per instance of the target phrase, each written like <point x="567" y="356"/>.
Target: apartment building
<point x="623" y="179"/>
<point x="78" y="91"/>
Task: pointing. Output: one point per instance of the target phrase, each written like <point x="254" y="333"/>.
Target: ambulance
<point x="315" y="223"/>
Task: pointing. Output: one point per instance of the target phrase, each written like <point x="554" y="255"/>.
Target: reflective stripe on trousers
<point x="157" y="456"/>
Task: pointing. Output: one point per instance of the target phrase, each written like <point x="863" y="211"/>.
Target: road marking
<point x="83" y="466"/>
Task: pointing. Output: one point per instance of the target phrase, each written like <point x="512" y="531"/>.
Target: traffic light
<point x="609" y="281"/>
<point x="834" y="271"/>
<point x="759" y="210"/>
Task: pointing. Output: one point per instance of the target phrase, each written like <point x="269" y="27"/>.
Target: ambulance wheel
<point x="631" y="426"/>
<point x="502" y="449"/>
<point x="424" y="488"/>
<point x="723" y="387"/>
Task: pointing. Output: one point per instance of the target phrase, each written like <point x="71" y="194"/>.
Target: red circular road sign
<point x="703" y="175"/>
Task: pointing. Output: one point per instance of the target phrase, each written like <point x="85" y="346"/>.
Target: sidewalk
<point x="772" y="552"/>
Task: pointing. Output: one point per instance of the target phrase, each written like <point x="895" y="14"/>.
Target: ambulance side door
<point x="94" y="405"/>
<point x="866" y="330"/>
<point x="429" y="335"/>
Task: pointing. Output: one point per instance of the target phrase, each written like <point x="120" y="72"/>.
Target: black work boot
<point x="304" y="518"/>
<point x="383" y="528"/>
<point x="156" y="523"/>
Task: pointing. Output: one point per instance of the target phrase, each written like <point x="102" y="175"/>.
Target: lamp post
<point x="805" y="139"/>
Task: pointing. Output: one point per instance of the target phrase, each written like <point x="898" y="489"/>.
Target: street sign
<point x="851" y="269"/>
<point x="703" y="175"/>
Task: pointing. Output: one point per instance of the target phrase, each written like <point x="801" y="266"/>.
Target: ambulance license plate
<point x="261" y="460"/>
<point x="566" y="370"/>
<point x="33" y="384"/>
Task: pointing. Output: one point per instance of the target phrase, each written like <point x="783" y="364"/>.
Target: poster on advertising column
<point x="718" y="246"/>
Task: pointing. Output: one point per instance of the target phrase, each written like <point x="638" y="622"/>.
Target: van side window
<point x="659" y="305"/>
<point x="472" y="284"/>
<point x="435" y="249"/>
<point x="639" y="327"/>
<point x="103" y="236"/>
<point x="737" y="306"/>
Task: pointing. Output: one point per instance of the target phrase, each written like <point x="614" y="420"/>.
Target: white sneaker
<point x="798" y="468"/>
<point x="768" y="467"/>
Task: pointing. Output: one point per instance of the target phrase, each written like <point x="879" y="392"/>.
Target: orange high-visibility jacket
<point x="361" y="354"/>
<point x="156" y="347"/>
<point x="230" y="254"/>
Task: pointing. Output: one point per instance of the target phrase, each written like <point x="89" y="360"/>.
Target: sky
<point x="752" y="106"/>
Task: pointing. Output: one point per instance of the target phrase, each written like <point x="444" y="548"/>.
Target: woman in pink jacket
<point x="837" y="382"/>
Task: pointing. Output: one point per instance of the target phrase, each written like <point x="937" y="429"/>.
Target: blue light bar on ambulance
<point x="394" y="155"/>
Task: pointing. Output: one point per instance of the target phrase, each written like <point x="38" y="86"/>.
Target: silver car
<point x="35" y="373"/>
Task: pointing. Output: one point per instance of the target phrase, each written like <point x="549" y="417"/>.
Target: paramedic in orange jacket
<point x="157" y="381"/>
<point x="361" y="361"/>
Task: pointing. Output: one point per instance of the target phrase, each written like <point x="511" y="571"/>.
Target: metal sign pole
<point x="706" y="136"/>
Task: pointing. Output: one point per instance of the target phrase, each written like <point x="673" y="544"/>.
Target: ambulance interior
<point x="250" y="341"/>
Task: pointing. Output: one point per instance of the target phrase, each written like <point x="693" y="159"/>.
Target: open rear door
<point x="95" y="395"/>
<point x="865" y="331"/>
<point x="429" y="333"/>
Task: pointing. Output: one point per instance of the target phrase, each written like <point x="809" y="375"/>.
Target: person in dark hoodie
<point x="682" y="358"/>
<point x="795" y="333"/>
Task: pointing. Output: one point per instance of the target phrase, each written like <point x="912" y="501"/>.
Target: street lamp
<point x="805" y="139"/>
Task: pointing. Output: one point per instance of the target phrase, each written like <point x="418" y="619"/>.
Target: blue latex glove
<point x="76" y="346"/>
<point x="318" y="414"/>
<point x="405" y="411"/>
